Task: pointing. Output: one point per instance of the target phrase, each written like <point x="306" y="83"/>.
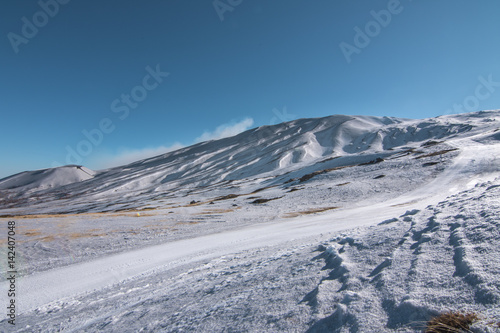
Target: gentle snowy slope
<point x="46" y="179"/>
<point x="389" y="277"/>
<point x="338" y="224"/>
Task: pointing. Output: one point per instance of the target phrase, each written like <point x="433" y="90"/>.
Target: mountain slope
<point x="387" y="277"/>
<point x="298" y="147"/>
<point x="338" y="224"/>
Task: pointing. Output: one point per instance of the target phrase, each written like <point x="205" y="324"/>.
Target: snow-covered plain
<point x="336" y="224"/>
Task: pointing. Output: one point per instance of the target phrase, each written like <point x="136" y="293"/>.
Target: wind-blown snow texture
<point x="337" y="224"/>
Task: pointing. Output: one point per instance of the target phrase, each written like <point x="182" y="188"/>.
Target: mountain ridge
<point x="297" y="147"/>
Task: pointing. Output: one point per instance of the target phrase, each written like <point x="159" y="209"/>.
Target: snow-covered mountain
<point x="270" y="155"/>
<point x="46" y="179"/>
<point x="336" y="224"/>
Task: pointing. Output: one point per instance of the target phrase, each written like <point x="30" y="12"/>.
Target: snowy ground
<point x="362" y="245"/>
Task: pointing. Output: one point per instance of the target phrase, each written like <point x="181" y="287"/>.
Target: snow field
<point x="366" y="225"/>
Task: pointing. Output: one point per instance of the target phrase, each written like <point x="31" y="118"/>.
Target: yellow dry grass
<point x="133" y="213"/>
<point x="158" y="226"/>
<point x="32" y="232"/>
<point x="217" y="211"/>
<point x="76" y="235"/>
<point x="450" y="322"/>
<point x="187" y="223"/>
<point x="309" y="211"/>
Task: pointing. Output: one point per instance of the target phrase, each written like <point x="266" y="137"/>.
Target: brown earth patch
<point x="309" y="211"/>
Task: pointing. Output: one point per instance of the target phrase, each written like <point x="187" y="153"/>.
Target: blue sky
<point x="68" y="66"/>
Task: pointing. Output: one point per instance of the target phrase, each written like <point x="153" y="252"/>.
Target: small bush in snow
<point x="451" y="322"/>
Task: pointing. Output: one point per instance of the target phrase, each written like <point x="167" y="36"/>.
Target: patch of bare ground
<point x="429" y="164"/>
<point x="158" y="226"/>
<point x="261" y="201"/>
<point x="32" y="233"/>
<point x="329" y="159"/>
<point x="226" y="197"/>
<point x="76" y="235"/>
<point x="375" y="161"/>
<point x="107" y="214"/>
<point x="187" y="222"/>
<point x="309" y="211"/>
<point x="402" y="154"/>
<point x="436" y="153"/>
<point x="320" y="172"/>
<point x="430" y="143"/>
<point x="194" y="203"/>
<point x="262" y="189"/>
<point x="217" y="211"/>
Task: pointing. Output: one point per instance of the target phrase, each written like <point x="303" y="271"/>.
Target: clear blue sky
<point x="75" y="72"/>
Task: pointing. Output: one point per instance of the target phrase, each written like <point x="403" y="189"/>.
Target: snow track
<point x="428" y="262"/>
